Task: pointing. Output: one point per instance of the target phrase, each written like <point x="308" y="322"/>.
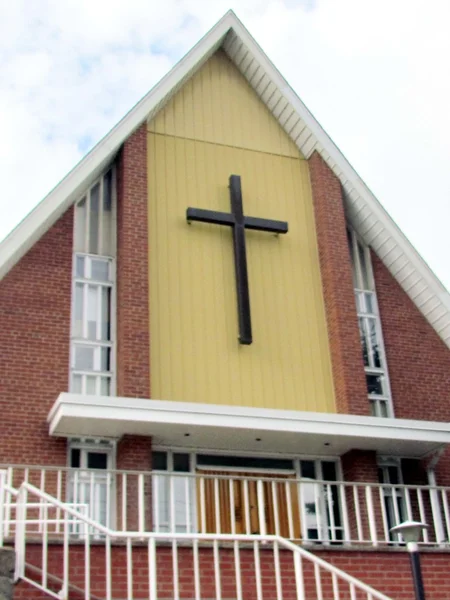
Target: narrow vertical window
<point x="92" y="345"/>
<point x="370" y="333"/>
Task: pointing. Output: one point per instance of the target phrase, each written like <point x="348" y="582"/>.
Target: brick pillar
<point x="133" y="343"/>
<point x="133" y="338"/>
<point x="134" y="453"/>
<point x="360" y="466"/>
<point x="335" y="265"/>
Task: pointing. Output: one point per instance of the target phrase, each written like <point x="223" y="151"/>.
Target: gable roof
<point x="364" y="212"/>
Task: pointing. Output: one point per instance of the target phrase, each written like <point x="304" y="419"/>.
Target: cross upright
<point x="239" y="224"/>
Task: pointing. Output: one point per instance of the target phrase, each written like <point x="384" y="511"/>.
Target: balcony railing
<point x="310" y="511"/>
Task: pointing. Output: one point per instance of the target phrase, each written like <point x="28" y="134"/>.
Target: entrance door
<point x="230" y="501"/>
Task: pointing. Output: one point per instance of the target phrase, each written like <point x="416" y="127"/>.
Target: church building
<point x="225" y="371"/>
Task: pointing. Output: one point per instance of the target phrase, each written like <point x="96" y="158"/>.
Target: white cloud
<point x="374" y="73"/>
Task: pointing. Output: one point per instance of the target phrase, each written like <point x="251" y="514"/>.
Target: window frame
<point x="360" y="292"/>
<point x="85" y="281"/>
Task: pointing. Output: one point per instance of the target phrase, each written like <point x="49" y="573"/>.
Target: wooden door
<point x="226" y="502"/>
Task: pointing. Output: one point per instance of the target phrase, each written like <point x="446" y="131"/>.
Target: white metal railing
<point x="174" y="565"/>
<point x="165" y="502"/>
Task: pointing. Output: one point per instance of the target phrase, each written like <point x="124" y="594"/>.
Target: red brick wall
<point x="335" y="265"/>
<point x="360" y="465"/>
<point x="418" y="360"/>
<point x="35" y="298"/>
<point x="388" y="572"/>
<point x="133" y="345"/>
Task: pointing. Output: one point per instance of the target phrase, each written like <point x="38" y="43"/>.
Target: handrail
<point x="57" y="579"/>
<point x="201" y="537"/>
<point x="10" y="490"/>
<point x="226" y="475"/>
<point x="316" y="510"/>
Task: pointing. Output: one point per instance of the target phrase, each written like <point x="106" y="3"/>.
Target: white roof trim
<point x="364" y="211"/>
<point x="285" y="430"/>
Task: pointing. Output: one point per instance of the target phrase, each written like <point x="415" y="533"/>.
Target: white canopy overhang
<point x="214" y="427"/>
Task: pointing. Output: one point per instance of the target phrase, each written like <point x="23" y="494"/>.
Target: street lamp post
<point x="411" y="532"/>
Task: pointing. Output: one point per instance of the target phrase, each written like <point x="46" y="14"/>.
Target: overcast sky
<point x="375" y="74"/>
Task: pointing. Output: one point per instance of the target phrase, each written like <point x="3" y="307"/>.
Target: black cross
<point x="239" y="223"/>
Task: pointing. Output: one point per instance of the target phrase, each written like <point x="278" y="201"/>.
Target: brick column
<point x="133" y="344"/>
<point x="133" y="337"/>
<point x="335" y="265"/>
<point x="134" y="453"/>
<point x="360" y="466"/>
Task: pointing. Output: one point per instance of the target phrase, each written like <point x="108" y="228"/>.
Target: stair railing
<point x="175" y="564"/>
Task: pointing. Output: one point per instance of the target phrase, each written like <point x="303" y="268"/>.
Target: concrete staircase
<point x="7" y="563"/>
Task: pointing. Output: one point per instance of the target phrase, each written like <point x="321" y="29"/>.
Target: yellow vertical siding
<point x="214" y="127"/>
<point x="217" y="105"/>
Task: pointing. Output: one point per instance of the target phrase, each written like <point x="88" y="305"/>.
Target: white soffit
<point x="364" y="211"/>
<point x="244" y="429"/>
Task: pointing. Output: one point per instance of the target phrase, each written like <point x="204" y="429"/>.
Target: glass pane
<point x="84" y="358"/>
<point x="375" y="347"/>
<point x="383" y="409"/>
<point x="308" y="469"/>
<point x="78" y="312"/>
<point x="161" y="502"/>
<point x="97" y="460"/>
<point x="360" y="307"/>
<point x="91" y="385"/>
<point x="373" y="409"/>
<point x="105" y="354"/>
<point x="181" y="493"/>
<point x="107" y="191"/>
<point x="374" y="384"/>
<point x="75" y="458"/>
<point x="329" y="470"/>
<point x="80" y="226"/>
<point x="106" y="314"/>
<point x="309" y="492"/>
<point x="76" y="384"/>
<point x="181" y="463"/>
<point x="393" y="475"/>
<point x="159" y="461"/>
<point x="214" y="460"/>
<point x="364" y="283"/>
<point x="92" y="312"/>
<point x="107" y="214"/>
<point x="100" y="270"/>
<point x="105" y="386"/>
<point x="94" y="219"/>
<point x="369" y="300"/>
<point x="79" y="266"/>
<point x="362" y="336"/>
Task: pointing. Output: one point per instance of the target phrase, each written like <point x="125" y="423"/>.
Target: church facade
<point x="211" y="326"/>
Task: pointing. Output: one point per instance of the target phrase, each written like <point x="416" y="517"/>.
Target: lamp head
<point x="410" y="530"/>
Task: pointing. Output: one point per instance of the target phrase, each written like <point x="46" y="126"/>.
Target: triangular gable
<point x="364" y="211"/>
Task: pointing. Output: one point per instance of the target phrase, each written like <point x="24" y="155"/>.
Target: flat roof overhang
<point x="217" y="427"/>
